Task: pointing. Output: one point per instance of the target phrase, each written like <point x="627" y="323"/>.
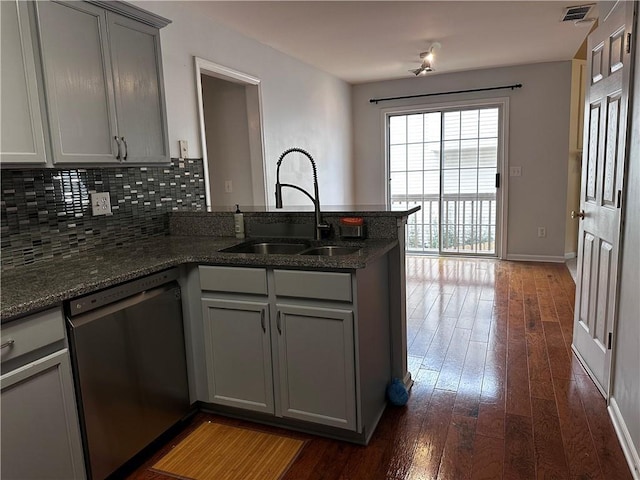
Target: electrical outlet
<point x="101" y="203"/>
<point x="515" y="171"/>
<point x="542" y="232"/>
<point x="184" y="149"/>
<point x="228" y="186"/>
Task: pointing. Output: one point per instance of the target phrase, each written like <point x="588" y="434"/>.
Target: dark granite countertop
<point x="47" y="284"/>
<point x="368" y="210"/>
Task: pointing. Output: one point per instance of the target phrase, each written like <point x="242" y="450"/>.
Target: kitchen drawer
<point x="233" y="279"/>
<point x="33" y="332"/>
<point x="320" y="285"/>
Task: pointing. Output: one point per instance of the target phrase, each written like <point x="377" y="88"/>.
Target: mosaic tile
<point x="46" y="213"/>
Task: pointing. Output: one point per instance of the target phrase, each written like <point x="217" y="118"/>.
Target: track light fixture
<point x="427" y="61"/>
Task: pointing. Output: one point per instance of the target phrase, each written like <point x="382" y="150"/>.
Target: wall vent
<point x="579" y="12"/>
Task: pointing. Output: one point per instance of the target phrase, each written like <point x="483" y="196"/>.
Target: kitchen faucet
<point x="320" y="226"/>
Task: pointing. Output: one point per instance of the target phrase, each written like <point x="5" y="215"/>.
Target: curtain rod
<point x="386" y="99"/>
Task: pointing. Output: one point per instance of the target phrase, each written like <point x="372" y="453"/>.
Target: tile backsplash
<point x="46" y="213"/>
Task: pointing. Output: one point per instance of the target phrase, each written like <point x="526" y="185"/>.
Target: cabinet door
<point x="316" y="364"/>
<point x="138" y="88"/>
<point x="77" y="72"/>
<point x="40" y="433"/>
<point x="21" y="124"/>
<point x="238" y="350"/>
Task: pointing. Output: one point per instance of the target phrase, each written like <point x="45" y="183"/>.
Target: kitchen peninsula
<point x="354" y="300"/>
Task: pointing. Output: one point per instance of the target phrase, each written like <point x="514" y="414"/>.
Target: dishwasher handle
<point x="100" y="312"/>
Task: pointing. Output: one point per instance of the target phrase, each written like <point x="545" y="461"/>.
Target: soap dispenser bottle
<point x="238" y="219"/>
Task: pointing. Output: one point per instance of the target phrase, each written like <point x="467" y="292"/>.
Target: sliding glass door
<point x="447" y="162"/>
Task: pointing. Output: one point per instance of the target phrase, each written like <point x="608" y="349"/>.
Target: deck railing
<point x="468" y="223"/>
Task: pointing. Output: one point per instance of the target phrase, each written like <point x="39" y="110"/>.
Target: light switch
<point x="228" y="186"/>
<point x="184" y="149"/>
<point x="515" y="171"/>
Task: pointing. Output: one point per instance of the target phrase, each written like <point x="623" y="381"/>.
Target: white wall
<point x="227" y="132"/>
<point x="302" y="106"/>
<point x="626" y="373"/>
<point x="538" y="142"/>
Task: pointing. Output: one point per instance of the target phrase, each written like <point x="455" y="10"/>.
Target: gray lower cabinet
<point x="238" y="353"/>
<point x="283" y="342"/>
<point x="21" y="125"/>
<point x="103" y="78"/>
<point x="316" y="364"/>
<point x="40" y="432"/>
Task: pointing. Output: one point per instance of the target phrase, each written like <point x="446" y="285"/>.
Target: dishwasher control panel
<point x="120" y="292"/>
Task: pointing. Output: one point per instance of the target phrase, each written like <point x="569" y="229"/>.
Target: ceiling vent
<point x="579" y="12"/>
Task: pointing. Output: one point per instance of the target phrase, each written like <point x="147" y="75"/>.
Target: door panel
<point x="78" y="82"/>
<point x="611" y="153"/>
<point x="237" y="344"/>
<point x="602" y="184"/>
<point x="135" y="55"/>
<point x="316" y="364"/>
<point x="22" y="128"/>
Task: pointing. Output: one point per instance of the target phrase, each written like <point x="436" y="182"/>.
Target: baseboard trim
<point x="570" y="255"/>
<point x="517" y="257"/>
<point x="626" y="442"/>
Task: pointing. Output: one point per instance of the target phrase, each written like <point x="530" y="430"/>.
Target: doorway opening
<point x="448" y="161"/>
<point x="230" y="114"/>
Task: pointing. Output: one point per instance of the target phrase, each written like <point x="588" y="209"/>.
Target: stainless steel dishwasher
<point x="128" y="354"/>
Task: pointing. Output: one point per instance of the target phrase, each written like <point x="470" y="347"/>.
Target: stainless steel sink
<point x="268" y="248"/>
<point x="330" y="250"/>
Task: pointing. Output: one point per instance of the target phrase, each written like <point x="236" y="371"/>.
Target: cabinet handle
<point x="126" y="149"/>
<point x="8" y="343"/>
<point x="278" y="323"/>
<point x="118" y="156"/>
<point x="264" y="326"/>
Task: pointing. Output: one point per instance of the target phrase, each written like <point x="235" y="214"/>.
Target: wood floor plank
<point x="607" y="447"/>
<point x="559" y="358"/>
<point x="494" y="378"/>
<point x="540" y="381"/>
<point x="517" y="384"/>
<point x="576" y="437"/>
<point x="433" y="436"/>
<point x="491" y="419"/>
<point x="519" y="461"/>
<point x="547" y="440"/>
<point x="437" y="352"/>
<point x="402" y="450"/>
<point x="449" y="378"/>
<point x="457" y="455"/>
<point x="488" y="458"/>
<point x="470" y="386"/>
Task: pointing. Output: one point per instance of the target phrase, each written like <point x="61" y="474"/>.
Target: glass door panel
<point x="446" y="162"/>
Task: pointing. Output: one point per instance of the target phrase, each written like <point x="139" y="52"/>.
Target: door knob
<point x="575" y="214"/>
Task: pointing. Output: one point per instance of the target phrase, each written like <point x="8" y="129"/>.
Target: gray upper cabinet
<point x="138" y="88"/>
<point x="104" y="87"/>
<point x="22" y="129"/>
<point x="77" y="72"/>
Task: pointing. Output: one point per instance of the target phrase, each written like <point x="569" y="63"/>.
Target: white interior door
<point x="605" y="131"/>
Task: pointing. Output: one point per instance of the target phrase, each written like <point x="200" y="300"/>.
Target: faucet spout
<point x="320" y="225"/>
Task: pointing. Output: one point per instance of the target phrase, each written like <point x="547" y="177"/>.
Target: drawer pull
<point x="264" y="326"/>
<point x="278" y="323"/>
<point x="8" y="343"/>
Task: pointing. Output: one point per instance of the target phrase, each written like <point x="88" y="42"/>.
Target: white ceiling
<point x="380" y="40"/>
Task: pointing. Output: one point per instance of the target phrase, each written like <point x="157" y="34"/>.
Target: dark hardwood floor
<point x="497" y="394"/>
